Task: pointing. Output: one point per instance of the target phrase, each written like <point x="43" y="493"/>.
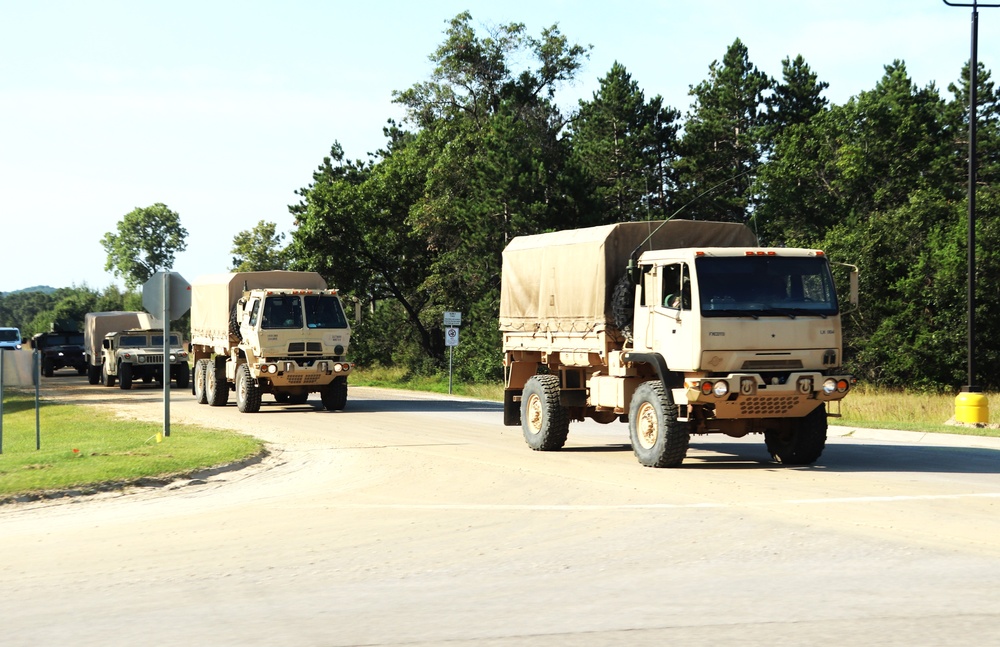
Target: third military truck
<point x="276" y="332"/>
<point x="677" y="328"/>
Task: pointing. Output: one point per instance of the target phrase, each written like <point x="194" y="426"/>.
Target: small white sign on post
<point x="451" y="322"/>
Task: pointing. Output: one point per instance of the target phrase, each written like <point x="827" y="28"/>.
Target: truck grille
<point x="302" y="378"/>
<point x="774" y="364"/>
<point x="768" y="406"/>
<point x="305" y="348"/>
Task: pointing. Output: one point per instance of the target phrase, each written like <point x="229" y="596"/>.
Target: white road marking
<point x="657" y="506"/>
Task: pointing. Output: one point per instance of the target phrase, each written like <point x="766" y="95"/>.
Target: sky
<point x="222" y="109"/>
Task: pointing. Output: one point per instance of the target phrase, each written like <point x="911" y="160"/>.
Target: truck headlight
<point x="721" y="388"/>
<point x="829" y="386"/>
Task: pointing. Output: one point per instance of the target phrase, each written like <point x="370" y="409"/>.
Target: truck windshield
<point x="158" y="340"/>
<point x="9" y="334"/>
<point x="133" y="341"/>
<point x="765" y="286"/>
<point x="324" y="312"/>
<point x="282" y="312"/>
<point x="64" y="339"/>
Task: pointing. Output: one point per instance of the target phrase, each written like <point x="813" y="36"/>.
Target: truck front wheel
<point x="107" y="379"/>
<point x="658" y="440"/>
<point x="93" y="375"/>
<point x="47" y="367"/>
<point x="334" y="396"/>
<point x="183" y="377"/>
<point x="801" y="445"/>
<point x="247" y="391"/>
<point x="125" y="376"/>
<point x="544" y="420"/>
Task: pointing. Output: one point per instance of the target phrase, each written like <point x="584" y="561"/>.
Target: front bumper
<point x="749" y="395"/>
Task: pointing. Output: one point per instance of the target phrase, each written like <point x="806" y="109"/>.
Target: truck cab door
<point x="668" y="323"/>
<point x="249" y="320"/>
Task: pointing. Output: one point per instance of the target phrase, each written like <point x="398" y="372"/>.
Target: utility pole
<point x="971" y="405"/>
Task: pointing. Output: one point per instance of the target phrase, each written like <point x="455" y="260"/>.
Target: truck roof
<point x="98" y="324"/>
<point x="564" y="280"/>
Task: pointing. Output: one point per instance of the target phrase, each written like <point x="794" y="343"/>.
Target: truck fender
<point x="657" y="362"/>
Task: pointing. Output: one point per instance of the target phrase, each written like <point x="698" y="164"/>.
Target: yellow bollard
<point x="972" y="408"/>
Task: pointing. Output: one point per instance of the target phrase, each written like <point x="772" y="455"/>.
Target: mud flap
<point x="511" y="407"/>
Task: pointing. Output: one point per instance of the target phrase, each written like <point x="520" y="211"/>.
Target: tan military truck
<point x="96" y="326"/>
<point x="137" y="354"/>
<point x="277" y="332"/>
<point x="676" y="328"/>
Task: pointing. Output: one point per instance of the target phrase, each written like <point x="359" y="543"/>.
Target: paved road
<point x="418" y="520"/>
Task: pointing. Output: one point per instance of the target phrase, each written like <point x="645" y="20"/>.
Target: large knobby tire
<point x="183" y="377"/>
<point x="623" y="306"/>
<point x="247" y="391"/>
<point x="125" y="376"/>
<point x="658" y="440"/>
<point x="93" y="375"/>
<point x="200" y="381"/>
<point x="216" y="388"/>
<point x="334" y="396"/>
<point x="544" y="421"/>
<point x="802" y="445"/>
<point x="107" y="379"/>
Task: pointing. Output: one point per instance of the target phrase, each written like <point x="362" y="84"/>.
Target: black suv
<point x="60" y="349"/>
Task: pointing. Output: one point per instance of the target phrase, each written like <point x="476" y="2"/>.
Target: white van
<point x="10" y="339"/>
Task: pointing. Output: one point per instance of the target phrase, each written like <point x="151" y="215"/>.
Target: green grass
<point x="400" y="378"/>
<point x="911" y="411"/>
<point x="85" y="449"/>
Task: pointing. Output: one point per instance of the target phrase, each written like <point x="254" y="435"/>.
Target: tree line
<point x="485" y="154"/>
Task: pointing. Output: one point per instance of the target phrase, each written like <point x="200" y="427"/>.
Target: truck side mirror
<point x="106" y="343"/>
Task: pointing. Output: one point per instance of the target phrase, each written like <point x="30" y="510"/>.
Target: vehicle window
<point x="254" y="312"/>
<point x="765" y="286"/>
<point x="282" y="312"/>
<point x="9" y="334"/>
<point x="676" y="287"/>
<point x="324" y="312"/>
<point x="134" y="341"/>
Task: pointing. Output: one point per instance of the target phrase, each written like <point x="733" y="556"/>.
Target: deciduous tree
<point x="145" y="243"/>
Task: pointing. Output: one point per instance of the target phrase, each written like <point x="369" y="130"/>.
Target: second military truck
<point x="276" y="332"/>
<point x="676" y="328"/>
<point x="96" y="326"/>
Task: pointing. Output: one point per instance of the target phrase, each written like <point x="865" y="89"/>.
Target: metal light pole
<point x="971" y="406"/>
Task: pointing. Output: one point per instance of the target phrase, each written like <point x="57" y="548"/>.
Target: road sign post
<point x="452" y="320"/>
<point x="168" y="295"/>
